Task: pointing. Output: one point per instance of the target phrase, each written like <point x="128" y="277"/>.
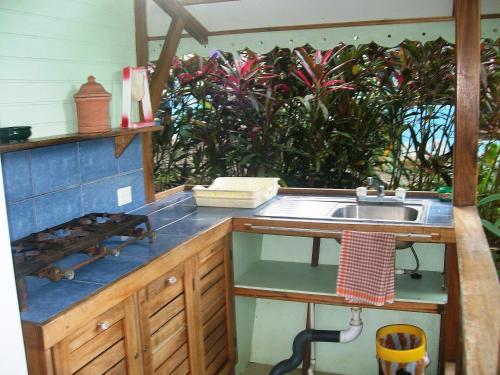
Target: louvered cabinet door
<point x="107" y="344"/>
<point x="164" y="324"/>
<point x="214" y="280"/>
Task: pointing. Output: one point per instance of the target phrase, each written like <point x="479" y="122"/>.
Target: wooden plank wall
<point x="47" y="50"/>
<point x="479" y="296"/>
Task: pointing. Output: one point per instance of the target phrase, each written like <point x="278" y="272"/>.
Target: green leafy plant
<point x="320" y="118"/>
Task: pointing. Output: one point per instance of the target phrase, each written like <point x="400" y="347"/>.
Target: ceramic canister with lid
<point x="92" y="107"/>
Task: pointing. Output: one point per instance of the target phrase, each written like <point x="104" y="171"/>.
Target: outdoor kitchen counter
<point x="175" y="219"/>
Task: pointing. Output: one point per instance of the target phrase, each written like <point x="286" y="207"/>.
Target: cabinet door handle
<point x="172" y="280"/>
<point x="103" y="325"/>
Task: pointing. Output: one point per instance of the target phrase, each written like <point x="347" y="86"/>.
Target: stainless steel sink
<point x="376" y="212"/>
<point x="347" y="209"/>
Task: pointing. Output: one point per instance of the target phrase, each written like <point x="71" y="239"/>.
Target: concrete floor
<point x="258" y="369"/>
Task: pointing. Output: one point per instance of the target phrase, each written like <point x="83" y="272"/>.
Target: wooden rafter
<point x="199" y="2"/>
<point x="162" y="71"/>
<point x="468" y="61"/>
<point x="399" y="21"/>
<point x="176" y="11"/>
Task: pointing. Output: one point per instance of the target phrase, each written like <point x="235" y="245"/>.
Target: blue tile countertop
<point x="175" y="219"/>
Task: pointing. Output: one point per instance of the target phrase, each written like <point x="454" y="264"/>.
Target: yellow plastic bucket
<point x="402" y="349"/>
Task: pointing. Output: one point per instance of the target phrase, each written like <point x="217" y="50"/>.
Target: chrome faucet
<point x="380" y="191"/>
<point x="370" y="184"/>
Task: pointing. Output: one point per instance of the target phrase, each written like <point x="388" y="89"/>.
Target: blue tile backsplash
<point x="17" y="175"/>
<point x="21" y="218"/>
<point x="97" y="159"/>
<point x="55" y="208"/>
<point x="54" y="168"/>
<point x="50" y="185"/>
<point x="106" y="199"/>
<point x="132" y="157"/>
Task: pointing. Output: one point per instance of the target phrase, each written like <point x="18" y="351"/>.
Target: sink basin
<point x="376" y="212"/>
<point x="347" y="210"/>
<point x="328" y="209"/>
<point x="395" y="213"/>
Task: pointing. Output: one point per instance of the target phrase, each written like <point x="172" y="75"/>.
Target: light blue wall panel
<point x="49" y="48"/>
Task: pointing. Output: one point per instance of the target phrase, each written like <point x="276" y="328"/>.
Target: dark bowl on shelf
<point x="15" y="134"/>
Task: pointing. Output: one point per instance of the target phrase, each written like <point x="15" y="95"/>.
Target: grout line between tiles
<point x="154" y="212"/>
<point x="175" y="221"/>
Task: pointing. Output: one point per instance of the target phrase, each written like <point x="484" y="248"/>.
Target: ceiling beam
<point x="331" y="25"/>
<point x="199" y="2"/>
<point x="176" y="11"/>
<point x="468" y="62"/>
<point x="319" y="26"/>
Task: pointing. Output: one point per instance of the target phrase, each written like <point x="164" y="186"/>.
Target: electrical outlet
<point x="124" y="195"/>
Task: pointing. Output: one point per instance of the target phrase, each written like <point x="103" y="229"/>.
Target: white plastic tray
<point x="240" y="192"/>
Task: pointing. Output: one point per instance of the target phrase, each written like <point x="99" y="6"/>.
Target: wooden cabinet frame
<point x="47" y="345"/>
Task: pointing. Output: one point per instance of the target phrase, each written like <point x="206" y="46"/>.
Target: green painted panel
<point x="247" y="252"/>
<point x="298" y="249"/>
<point x="342" y="358"/>
<point x="301" y="277"/>
<point x="47" y="51"/>
<point x="38" y="26"/>
<point x="245" y="315"/>
<point x="24" y="46"/>
<point x="277" y="323"/>
<point x="287" y="248"/>
<point x="81" y="11"/>
<point x="46" y="69"/>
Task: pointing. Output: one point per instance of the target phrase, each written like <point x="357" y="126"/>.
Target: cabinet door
<point x="214" y="290"/>
<point x="107" y="344"/>
<point x="164" y="324"/>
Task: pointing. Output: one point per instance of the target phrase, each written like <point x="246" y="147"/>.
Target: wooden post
<point x="450" y="324"/>
<point x="142" y="58"/>
<point x="468" y="60"/>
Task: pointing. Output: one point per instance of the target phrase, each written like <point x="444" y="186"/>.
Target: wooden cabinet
<point x="214" y="293"/>
<point x="173" y="316"/>
<point x="106" y="344"/>
<point x="186" y="316"/>
<point x="164" y="326"/>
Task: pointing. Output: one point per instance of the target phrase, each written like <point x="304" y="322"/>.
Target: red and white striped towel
<point x="366" y="269"/>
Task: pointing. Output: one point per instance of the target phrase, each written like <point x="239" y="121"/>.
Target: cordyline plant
<point x="322" y="119"/>
<point x="419" y="82"/>
<point x="322" y="81"/>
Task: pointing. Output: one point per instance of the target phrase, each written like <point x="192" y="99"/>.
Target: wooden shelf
<point x="302" y="283"/>
<point x="122" y="138"/>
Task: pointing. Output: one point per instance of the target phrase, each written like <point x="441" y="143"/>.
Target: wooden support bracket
<point x="175" y="10"/>
<point x="122" y="142"/>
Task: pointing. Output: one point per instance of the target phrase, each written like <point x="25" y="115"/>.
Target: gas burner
<point x="36" y="253"/>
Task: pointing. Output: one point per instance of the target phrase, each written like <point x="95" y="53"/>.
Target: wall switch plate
<point x="124" y="195"/>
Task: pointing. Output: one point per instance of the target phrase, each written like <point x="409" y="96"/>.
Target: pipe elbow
<point x="351" y="333"/>
<point x="355" y="327"/>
